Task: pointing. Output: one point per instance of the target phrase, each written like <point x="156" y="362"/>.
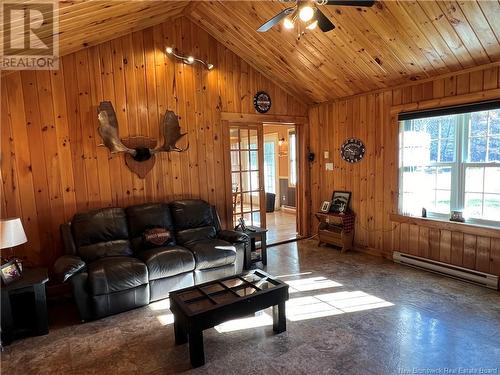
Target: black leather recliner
<point x="113" y="267"/>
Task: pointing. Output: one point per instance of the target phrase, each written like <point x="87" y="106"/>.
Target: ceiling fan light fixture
<point x="312" y="25"/>
<point x="288" y="23"/>
<point x="306" y="13"/>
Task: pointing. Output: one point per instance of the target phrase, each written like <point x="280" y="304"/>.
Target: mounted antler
<point x="171" y="132"/>
<point x="108" y="129"/>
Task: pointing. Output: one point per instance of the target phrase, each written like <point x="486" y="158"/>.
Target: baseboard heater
<point x="476" y="277"/>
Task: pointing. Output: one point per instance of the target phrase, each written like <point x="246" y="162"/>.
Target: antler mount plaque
<point x="139" y="151"/>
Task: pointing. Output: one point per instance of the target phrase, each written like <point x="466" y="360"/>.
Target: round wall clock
<point x="262" y="102"/>
<point x="352" y="150"/>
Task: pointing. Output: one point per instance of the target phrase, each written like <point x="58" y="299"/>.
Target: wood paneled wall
<point x="373" y="181"/>
<point x="51" y="165"/>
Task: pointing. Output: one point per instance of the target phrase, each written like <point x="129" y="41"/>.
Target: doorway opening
<point x="280" y="181"/>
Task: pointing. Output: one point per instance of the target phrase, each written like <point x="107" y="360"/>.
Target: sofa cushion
<point x="191" y="213"/>
<point x="212" y="253"/>
<point x="145" y="217"/>
<point x="102" y="225"/>
<point x="95" y="251"/>
<point x="167" y="261"/>
<point x="114" y="274"/>
<point x="186" y="236"/>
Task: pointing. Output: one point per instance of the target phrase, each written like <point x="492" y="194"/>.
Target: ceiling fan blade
<point x="354" y="3"/>
<point x="323" y="22"/>
<point x="276" y="19"/>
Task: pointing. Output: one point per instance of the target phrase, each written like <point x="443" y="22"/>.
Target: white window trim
<point x="457" y="198"/>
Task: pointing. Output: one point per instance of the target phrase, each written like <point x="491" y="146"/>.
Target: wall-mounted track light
<point x="188" y="59"/>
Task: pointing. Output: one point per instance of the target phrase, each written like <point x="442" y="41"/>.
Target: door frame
<point x="303" y="199"/>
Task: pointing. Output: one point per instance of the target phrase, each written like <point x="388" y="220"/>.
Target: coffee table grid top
<point x="215" y="293"/>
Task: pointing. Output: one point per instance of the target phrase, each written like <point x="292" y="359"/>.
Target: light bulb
<point x="169" y="50"/>
<point x="288" y="23"/>
<point x="210" y="66"/>
<point x="306" y="13"/>
<point x="312" y="25"/>
<point x="190" y="59"/>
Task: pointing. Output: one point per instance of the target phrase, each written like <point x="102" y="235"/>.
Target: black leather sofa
<point x="116" y="261"/>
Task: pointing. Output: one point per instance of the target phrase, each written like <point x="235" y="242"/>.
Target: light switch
<point x="326" y="154"/>
<point x="329" y="166"/>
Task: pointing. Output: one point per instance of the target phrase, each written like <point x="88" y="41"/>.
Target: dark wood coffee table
<point x="206" y="305"/>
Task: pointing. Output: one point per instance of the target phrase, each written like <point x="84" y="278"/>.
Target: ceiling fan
<point x="309" y="13"/>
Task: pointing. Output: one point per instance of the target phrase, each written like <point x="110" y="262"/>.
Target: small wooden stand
<point x="332" y="231"/>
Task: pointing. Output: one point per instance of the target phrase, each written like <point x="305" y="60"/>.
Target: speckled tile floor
<point x="348" y="314"/>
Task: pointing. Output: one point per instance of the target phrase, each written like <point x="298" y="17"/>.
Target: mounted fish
<point x="139" y="151"/>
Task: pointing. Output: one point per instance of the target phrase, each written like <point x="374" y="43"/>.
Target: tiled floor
<point x="281" y="225"/>
<point x="348" y="314"/>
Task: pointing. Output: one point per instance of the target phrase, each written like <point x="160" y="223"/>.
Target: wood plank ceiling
<point x="85" y="23"/>
<point x="392" y="43"/>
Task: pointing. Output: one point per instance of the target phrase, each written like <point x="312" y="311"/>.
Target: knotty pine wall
<point x="373" y="181"/>
<point x="50" y="163"/>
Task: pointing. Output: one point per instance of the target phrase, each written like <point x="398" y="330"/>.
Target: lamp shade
<point x="11" y="233"/>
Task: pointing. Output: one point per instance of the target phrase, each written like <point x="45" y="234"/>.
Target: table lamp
<point x="11" y="234"/>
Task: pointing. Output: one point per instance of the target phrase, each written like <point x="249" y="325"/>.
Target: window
<point x="450" y="160"/>
<point x="292" y="152"/>
<point x="270" y="164"/>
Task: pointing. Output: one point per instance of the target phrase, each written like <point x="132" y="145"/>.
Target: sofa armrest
<point x="67" y="266"/>
<point x="233" y="236"/>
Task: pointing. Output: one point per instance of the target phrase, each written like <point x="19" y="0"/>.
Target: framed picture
<point x="325" y="206"/>
<point x="10" y="272"/>
<point x="340" y="201"/>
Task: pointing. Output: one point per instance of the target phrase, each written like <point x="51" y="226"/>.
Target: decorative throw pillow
<point x="157" y="236"/>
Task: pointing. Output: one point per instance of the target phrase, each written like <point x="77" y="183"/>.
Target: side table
<point x="254" y="233"/>
<point x="31" y="285"/>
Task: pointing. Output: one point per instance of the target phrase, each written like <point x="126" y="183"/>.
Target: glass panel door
<point x="246" y="145"/>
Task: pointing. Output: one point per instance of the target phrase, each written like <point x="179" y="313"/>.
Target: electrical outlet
<point x="329" y="166"/>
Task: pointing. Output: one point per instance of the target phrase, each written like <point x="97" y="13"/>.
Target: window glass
<point x="270" y="165"/>
<point x="292" y="151"/>
<point x="449" y="163"/>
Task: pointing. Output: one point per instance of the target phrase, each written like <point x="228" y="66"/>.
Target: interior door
<point x="247" y="174"/>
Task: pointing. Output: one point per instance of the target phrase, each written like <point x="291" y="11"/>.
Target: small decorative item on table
<point x="340" y="201"/>
<point x="336" y="229"/>
<point x="325" y="206"/>
<point x="10" y="272"/>
<point x="457" y="216"/>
